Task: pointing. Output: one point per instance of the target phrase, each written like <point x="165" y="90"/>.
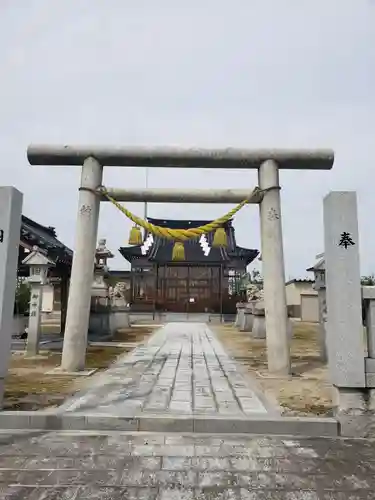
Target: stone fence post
<point x="247" y="324"/>
<point x="240" y="314"/>
<point x="320" y="287"/>
<point x="368" y="297"/>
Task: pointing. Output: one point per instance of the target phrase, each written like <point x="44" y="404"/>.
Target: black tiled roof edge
<point x="161" y="251"/>
<point x="183" y="224"/>
<point x="216" y="255"/>
<point x="33" y="233"/>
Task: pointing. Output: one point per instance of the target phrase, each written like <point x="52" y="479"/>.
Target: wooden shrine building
<point x="207" y="280"/>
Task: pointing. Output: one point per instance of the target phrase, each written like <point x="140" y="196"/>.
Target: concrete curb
<point x="58" y="372"/>
<point x="270" y="425"/>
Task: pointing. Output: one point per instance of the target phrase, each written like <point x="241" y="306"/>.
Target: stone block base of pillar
<point x="119" y="318"/>
<point x="236" y="320"/>
<point x="259" y="326"/>
<point x="349" y="401"/>
<point x="371" y="400"/>
<point x="247" y="324"/>
<point x="241" y="319"/>
<point x="240" y="307"/>
<point x="355" y="411"/>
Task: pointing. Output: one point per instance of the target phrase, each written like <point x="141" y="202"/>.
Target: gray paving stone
<point x="212" y="463"/>
<point x="183" y="450"/>
<point x="180" y="407"/>
<point x="177" y="494"/>
<point x="165" y="478"/>
<point x="156" y="406"/>
<point x="146" y="450"/>
<point x="113" y="493"/>
<point x="181" y="370"/>
<point x="31" y="493"/>
<point x="177" y="463"/>
<point x="179" y="395"/>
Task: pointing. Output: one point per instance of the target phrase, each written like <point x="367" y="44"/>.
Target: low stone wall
<point x="251" y="318"/>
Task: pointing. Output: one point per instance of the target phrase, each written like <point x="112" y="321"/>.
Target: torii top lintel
<point x="226" y="158"/>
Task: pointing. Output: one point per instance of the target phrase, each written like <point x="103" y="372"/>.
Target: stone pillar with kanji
<point x="39" y="264"/>
<point x="344" y="327"/>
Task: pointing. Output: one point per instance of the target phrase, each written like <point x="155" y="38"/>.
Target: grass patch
<point x="28" y="388"/>
<point x="134" y="334"/>
<point x="308" y="392"/>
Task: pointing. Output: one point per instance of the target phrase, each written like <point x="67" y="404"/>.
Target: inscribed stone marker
<point x="10" y="226"/>
<point x="32" y="347"/>
<point x="345" y="341"/>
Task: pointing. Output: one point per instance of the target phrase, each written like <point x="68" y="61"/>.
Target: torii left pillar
<point x="78" y="313"/>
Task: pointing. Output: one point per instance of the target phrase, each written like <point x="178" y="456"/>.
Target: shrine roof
<point x="45" y="237"/>
<point x="161" y="249"/>
<point x="182" y="224"/>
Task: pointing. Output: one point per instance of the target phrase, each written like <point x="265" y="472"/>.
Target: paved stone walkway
<point x="182" y="370"/>
<point x="110" y="466"/>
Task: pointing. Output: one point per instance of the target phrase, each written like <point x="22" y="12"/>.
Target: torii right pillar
<point x="278" y="354"/>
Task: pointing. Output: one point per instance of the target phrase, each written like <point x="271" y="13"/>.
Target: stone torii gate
<point x="93" y="159"/>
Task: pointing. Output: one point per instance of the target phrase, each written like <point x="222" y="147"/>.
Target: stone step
<point x="257" y="424"/>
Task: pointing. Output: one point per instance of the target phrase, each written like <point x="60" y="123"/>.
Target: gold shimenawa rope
<point x="178" y="234"/>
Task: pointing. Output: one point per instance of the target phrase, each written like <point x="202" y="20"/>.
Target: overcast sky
<point x="212" y="73"/>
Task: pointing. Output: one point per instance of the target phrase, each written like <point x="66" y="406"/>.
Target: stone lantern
<point x="100" y="288"/>
<point x="38" y="264"/>
<point x="319" y="276"/>
<point x="99" y="322"/>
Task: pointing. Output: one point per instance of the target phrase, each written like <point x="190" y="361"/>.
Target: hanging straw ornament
<point x="178" y="252"/>
<point x="135" y="237"/>
<point x="220" y="238"/>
